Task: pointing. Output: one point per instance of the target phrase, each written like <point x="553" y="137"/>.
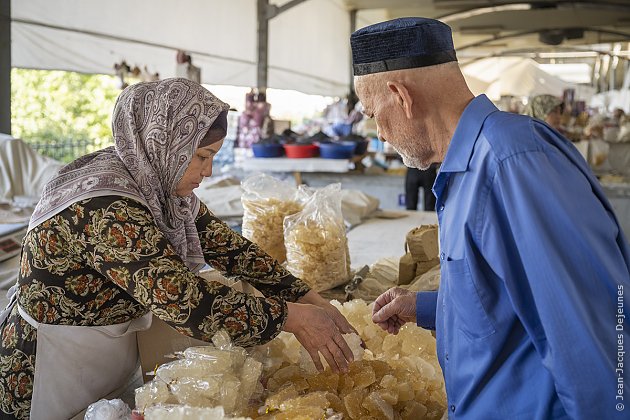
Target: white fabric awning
<point x="90" y="36"/>
<point x="515" y="76"/>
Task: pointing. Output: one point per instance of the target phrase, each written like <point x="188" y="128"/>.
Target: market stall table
<point x="297" y="166"/>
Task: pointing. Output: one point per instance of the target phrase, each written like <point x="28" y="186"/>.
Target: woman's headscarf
<point x="157" y="126"/>
<point x="541" y="106"/>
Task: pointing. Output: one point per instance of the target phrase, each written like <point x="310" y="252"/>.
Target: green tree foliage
<point x="62" y="114"/>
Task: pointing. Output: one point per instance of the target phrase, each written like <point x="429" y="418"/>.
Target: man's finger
<point x="383" y="325"/>
<point x="386" y="312"/>
<point x="381" y="301"/>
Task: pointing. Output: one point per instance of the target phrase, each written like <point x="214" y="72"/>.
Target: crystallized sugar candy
<point x="182" y="412"/>
<point x="262" y="223"/>
<point x="190" y="368"/>
<point x="227" y="358"/>
<point x="151" y="393"/>
<point x="398" y="378"/>
<point x="316" y="242"/>
<point x="221" y="375"/>
<point x="266" y="202"/>
<point x="317" y="252"/>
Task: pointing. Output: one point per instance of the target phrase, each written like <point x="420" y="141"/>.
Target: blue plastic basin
<point x="267" y="150"/>
<point x="337" y="150"/>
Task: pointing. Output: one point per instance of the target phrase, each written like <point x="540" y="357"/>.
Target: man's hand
<point x="317" y="332"/>
<point x="394" y="308"/>
<point x="340" y="321"/>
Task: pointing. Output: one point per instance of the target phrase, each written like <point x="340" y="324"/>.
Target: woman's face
<point x="200" y="167"/>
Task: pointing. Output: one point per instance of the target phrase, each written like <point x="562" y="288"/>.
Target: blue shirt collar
<point x="461" y="147"/>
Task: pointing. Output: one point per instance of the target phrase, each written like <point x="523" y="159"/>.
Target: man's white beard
<point x="413" y="162"/>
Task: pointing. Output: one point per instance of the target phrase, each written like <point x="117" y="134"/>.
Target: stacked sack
<point x="421" y="255"/>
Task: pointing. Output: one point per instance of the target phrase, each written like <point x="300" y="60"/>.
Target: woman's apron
<point x="75" y="365"/>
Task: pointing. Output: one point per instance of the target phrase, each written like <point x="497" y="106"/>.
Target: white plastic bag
<point x="357" y="205"/>
<point x="108" y="410"/>
<point x="266" y="202"/>
<point x="207" y="376"/>
<point x="316" y="243"/>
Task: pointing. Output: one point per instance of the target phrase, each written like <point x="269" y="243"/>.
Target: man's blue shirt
<point x="535" y="273"/>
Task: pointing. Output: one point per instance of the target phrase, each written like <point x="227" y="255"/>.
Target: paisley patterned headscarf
<point x="540" y="106"/>
<point x="157" y="127"/>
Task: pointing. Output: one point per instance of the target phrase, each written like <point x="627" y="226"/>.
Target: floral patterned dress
<point x="103" y="261"/>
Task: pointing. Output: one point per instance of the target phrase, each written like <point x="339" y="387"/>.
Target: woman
<point x="118" y="237"/>
<point x="547" y="108"/>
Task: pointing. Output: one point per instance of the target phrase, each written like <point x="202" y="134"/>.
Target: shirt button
<point x="442" y="207"/>
<point x="446" y="356"/>
<point x="452" y="408"/>
<point x="442" y="256"/>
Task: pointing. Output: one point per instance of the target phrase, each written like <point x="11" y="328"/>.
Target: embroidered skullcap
<point x="402" y="43"/>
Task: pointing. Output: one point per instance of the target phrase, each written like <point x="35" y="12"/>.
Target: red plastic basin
<point x="300" y="150"/>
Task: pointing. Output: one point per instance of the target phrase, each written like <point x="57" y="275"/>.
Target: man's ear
<point x="402" y="97"/>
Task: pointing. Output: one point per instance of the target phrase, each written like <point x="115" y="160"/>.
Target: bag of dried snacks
<point x="266" y="202"/>
<point x="316" y="242"/>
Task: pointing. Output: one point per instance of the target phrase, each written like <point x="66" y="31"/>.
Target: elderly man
<point x="530" y="314"/>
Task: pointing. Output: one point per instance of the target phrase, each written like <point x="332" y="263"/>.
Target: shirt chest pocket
<point x="464" y="300"/>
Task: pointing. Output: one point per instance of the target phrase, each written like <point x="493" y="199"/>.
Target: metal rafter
<point x="265" y="13"/>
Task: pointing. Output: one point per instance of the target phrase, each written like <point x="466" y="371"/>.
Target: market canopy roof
<point x="308" y="44"/>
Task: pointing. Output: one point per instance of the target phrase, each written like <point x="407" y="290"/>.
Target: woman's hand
<point x="340" y="321"/>
<point x="317" y="332"/>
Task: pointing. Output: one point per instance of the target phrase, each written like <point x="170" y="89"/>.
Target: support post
<point x="263" y="46"/>
<point x="5" y="66"/>
<point x="265" y="13"/>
